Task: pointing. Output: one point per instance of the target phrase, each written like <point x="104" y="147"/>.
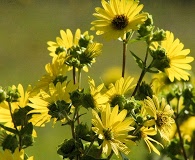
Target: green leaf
<point x="9" y="129"/>
<point x="138" y="60"/>
<point x="152" y="71"/>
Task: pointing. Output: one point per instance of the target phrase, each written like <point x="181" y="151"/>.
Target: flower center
<point x="120" y="22"/>
<point x="162" y="119"/>
<point x="108" y="134"/>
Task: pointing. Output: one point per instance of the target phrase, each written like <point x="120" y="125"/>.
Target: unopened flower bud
<point x="9" y="142"/>
<point x="159" y="35"/>
<point x="2" y="95"/>
<point x="82" y="130"/>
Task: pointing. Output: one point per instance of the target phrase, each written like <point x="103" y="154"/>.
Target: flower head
<point x="162" y="114"/>
<point x="63" y="43"/>
<point x="174" y="58"/>
<point x="117" y="92"/>
<point x="18" y="109"/>
<point x="113" y="128"/>
<point x="99" y="100"/>
<point x="17" y="155"/>
<point x="54" y="104"/>
<point x="56" y="72"/>
<point x="118" y="17"/>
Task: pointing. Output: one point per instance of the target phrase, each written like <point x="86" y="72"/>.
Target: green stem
<point x="179" y="133"/>
<point x="15" y="126"/>
<point x="144" y="70"/>
<point x="74" y="75"/>
<point x="124" y="57"/>
<point x="91" y="144"/>
<point x="79" y="78"/>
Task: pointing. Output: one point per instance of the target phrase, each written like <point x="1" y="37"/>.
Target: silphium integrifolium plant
<point x="124" y="113"/>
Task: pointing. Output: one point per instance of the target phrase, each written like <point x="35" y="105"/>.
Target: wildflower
<point x="54" y="104"/>
<point x="162" y="114"/>
<point x="117" y="17"/>
<point x="95" y="99"/>
<point x="65" y="42"/>
<point x="17" y="155"/>
<point x="56" y="72"/>
<point x="18" y="109"/>
<point x="145" y="133"/>
<point x="113" y="128"/>
<point x="174" y="58"/>
<point x="116" y="92"/>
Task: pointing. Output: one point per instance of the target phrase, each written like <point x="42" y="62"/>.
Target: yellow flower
<point x="118" y="17"/>
<point x="177" y="57"/>
<point x="162" y="114"/>
<point x="63" y="43"/>
<point x="99" y="100"/>
<point x="113" y="128"/>
<point x="17" y="155"/>
<point x="145" y="132"/>
<point x="19" y="109"/>
<point x="52" y="104"/>
<point x="117" y="91"/>
<point x="56" y="72"/>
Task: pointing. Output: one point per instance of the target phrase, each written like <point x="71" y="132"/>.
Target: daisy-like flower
<point x="113" y="128"/>
<point x="54" y="104"/>
<point x="63" y="43"/>
<point x="98" y="99"/>
<point x="118" y="90"/>
<point x="17" y="155"/>
<point x="162" y="114"/>
<point x="145" y="133"/>
<point x="175" y="59"/>
<point x="19" y="109"/>
<point x="118" y="17"/>
<point x="56" y="72"/>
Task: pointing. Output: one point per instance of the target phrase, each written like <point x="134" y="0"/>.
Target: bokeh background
<point x="26" y="26"/>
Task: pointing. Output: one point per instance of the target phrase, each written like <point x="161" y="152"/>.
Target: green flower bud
<point x="160" y="60"/>
<point x="60" y="79"/>
<point x="66" y="148"/>
<point x="144" y="91"/>
<point x="76" y="97"/>
<point x="146" y="28"/>
<point x="10" y="142"/>
<point x="118" y="100"/>
<point x="159" y="35"/>
<point x="20" y="116"/>
<point x="82" y="131"/>
<point x="70" y="148"/>
<point x="88" y="101"/>
<point x="27" y="140"/>
<point x="85" y="40"/>
<point x="139" y="120"/>
<point x="60" y="50"/>
<point x="2" y="95"/>
<point x="12" y="94"/>
<point x="59" y="109"/>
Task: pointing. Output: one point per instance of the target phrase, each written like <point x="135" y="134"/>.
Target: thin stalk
<point x="74" y="74"/>
<point x="91" y="144"/>
<point x="139" y="81"/>
<point x="124" y="57"/>
<point x="179" y="133"/>
<point x="144" y="70"/>
<point x="15" y="126"/>
<point x="181" y="141"/>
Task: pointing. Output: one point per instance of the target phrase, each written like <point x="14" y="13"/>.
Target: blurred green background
<point x="26" y="26"/>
